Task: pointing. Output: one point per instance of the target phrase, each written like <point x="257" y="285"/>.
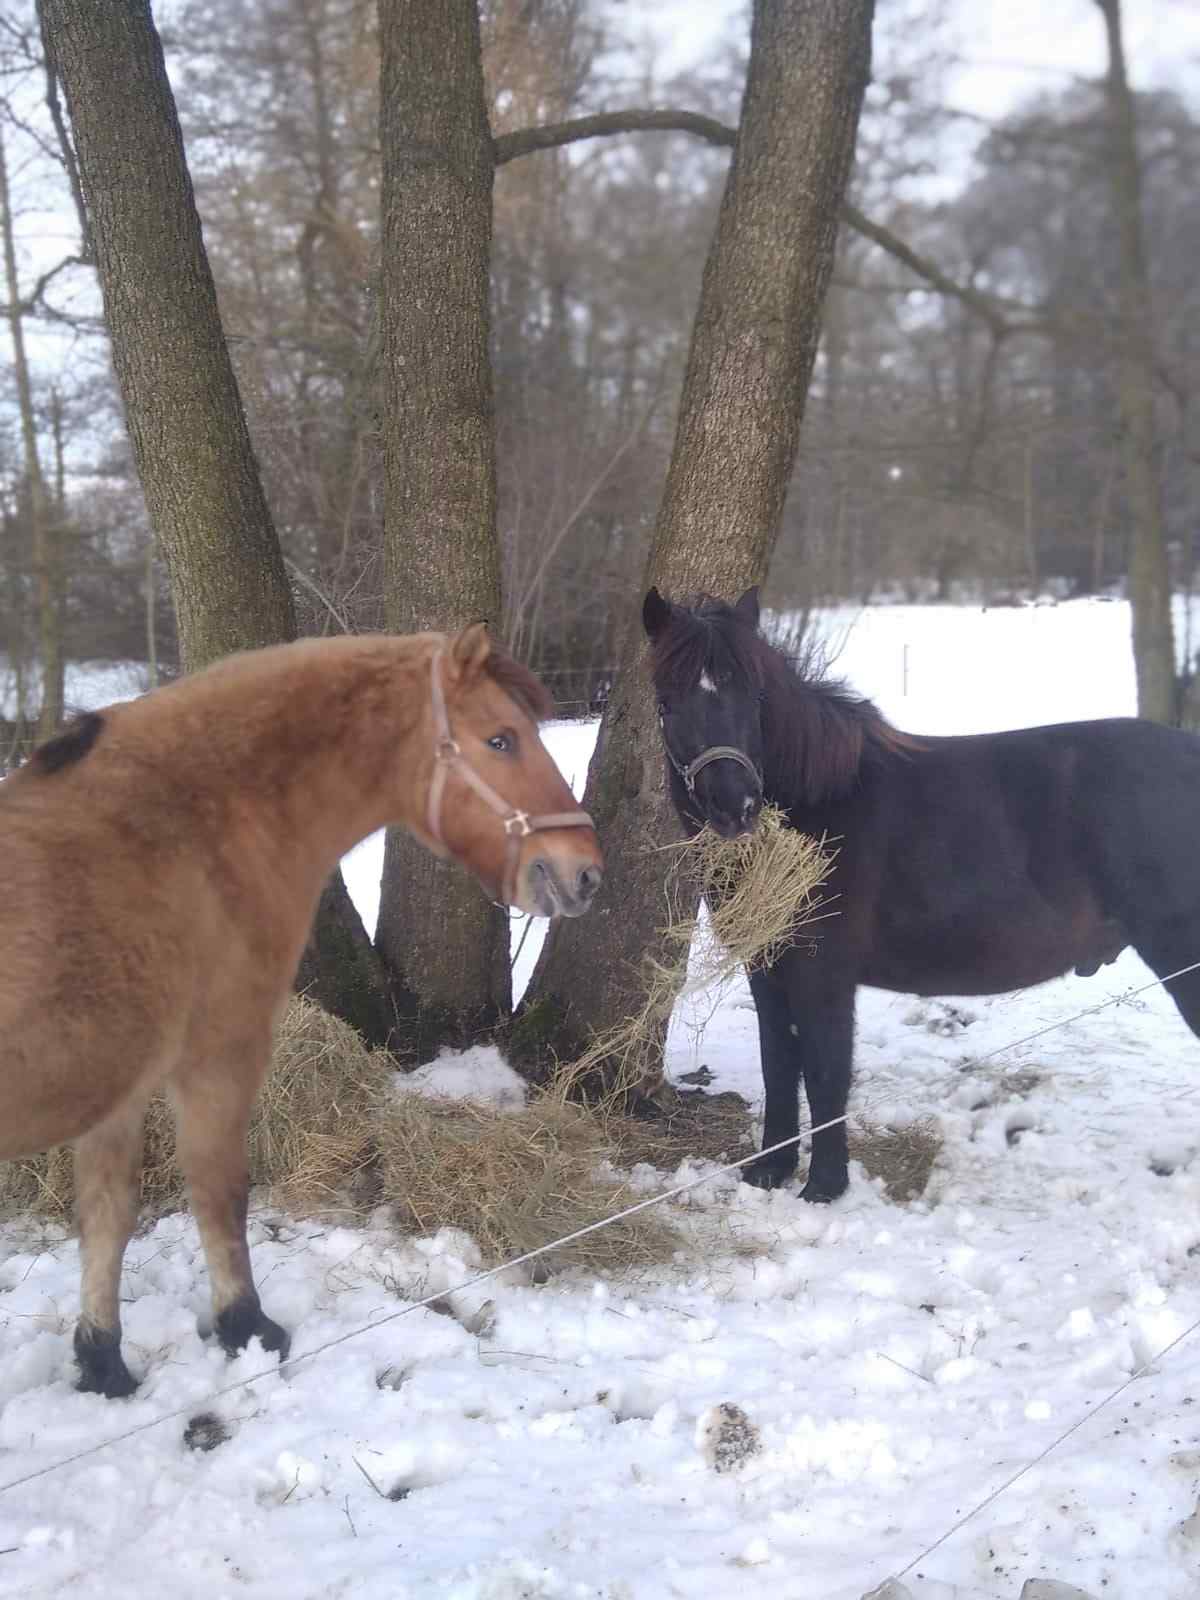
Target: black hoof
<point x="768" y="1174"/>
<point x="243" y="1321"/>
<point x="101" y="1369"/>
<point x="823" y="1192"/>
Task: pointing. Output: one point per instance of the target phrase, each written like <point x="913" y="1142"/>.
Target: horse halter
<point x="715" y="752"/>
<point x="447" y="754"/>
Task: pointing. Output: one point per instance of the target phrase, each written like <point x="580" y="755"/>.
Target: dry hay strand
<point x="311" y="1135"/>
<point x="517" y="1180"/>
<point x="696" y="1127"/>
<point x="761" y="890"/>
<point x="903" y="1158"/>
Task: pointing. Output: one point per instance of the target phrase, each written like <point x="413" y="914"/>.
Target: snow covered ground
<point x="900" y="1363"/>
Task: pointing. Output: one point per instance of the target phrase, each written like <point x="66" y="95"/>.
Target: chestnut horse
<point x="968" y="865"/>
<point x="161" y="863"/>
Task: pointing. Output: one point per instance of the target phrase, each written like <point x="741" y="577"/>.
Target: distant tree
<point x="1149" y="576"/>
<point x="45" y="515"/>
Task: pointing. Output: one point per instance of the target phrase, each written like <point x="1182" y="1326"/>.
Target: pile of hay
<point x="762" y="891"/>
<point x="902" y="1158"/>
<point x="517" y="1180"/>
<point x="329" y="1137"/>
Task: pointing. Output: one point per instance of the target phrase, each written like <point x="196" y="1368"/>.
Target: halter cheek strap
<point x="447" y="754"/>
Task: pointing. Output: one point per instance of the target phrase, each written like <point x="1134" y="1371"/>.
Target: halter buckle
<point x="518" y="826"/>
<point x="447" y="749"/>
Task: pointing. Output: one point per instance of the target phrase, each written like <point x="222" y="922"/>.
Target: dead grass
<point x="517" y="1180"/>
<point x="902" y="1157"/>
<point x="697" y="1127"/>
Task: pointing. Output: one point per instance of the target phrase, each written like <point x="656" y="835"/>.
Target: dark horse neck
<point x="818" y="736"/>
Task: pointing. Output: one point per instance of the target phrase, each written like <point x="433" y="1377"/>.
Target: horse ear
<point x="747" y="607"/>
<point x="470" y="650"/>
<point x="656" y="613"/>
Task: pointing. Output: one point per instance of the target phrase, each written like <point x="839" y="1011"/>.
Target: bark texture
<point x="752" y="352"/>
<point x="441" y="555"/>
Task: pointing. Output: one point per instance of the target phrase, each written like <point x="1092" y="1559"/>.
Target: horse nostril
<point x="750" y="807"/>
<point x="588" y="881"/>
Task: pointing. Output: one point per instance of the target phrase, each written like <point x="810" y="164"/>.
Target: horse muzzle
<point x="554" y="890"/>
<point x="732" y="824"/>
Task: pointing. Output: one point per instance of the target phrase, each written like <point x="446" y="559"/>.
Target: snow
<point x="892" y="1365"/>
<point x="87" y="685"/>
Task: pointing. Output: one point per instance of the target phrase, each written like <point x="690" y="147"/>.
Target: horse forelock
<point x="520" y="683"/>
<point x="708" y="641"/>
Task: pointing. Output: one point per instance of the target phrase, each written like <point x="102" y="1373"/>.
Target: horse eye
<point x="502" y="743"/>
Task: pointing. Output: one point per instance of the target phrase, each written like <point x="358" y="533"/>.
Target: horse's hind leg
<point x="108" y="1162"/>
<point x="212" y="1112"/>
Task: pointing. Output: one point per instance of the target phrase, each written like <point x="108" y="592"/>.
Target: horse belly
<point x="1011" y="948"/>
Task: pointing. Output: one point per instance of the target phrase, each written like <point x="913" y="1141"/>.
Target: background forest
<point x="955" y="444"/>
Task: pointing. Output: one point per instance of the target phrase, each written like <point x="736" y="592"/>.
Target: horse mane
<point x="520" y="683"/>
<point x="69" y="746"/>
<point x="817" y="733"/>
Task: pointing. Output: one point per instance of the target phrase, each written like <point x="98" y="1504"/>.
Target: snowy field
<point x="901" y="1363"/>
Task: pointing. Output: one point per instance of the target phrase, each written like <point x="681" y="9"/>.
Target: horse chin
<point x="728" y="828"/>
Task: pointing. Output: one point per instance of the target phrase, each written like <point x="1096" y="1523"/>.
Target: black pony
<point x="968" y="865"/>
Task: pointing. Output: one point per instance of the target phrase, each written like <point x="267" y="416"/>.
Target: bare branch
<point x="526" y="140"/>
<point x="509" y="146"/>
<point x="66" y="148"/>
<point x="981" y="304"/>
<point x="34" y="297"/>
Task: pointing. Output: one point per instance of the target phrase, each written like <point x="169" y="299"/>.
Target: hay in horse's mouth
<point x="762" y="891"/>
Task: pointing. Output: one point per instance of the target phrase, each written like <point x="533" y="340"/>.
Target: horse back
<point x="988" y="862"/>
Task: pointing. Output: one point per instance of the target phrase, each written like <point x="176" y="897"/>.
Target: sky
<point x="1009" y="47"/>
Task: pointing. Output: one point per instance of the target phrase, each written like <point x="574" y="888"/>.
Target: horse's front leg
<point x="806" y="1030"/>
<point x="108" y="1162"/>
<point x="781" y="1082"/>
<point x="212" y="1112"/>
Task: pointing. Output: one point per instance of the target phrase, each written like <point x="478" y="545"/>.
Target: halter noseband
<point x="691" y="770"/>
<point x="715" y="752"/>
<point x="447" y="753"/>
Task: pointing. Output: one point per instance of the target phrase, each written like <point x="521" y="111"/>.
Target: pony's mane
<point x="517" y="681"/>
<point x="817" y="733"/>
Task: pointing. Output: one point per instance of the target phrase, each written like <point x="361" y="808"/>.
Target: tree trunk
<point x="1149" y="580"/>
<point x="751" y="356"/>
<point x="45" y="526"/>
<point x="182" y="406"/>
<point x="441" y="554"/>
